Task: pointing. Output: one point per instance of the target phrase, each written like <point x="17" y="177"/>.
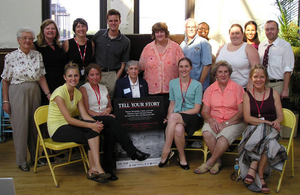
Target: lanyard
<point x="183" y="98"/>
<point x="258" y="109"/>
<point x="98" y="96"/>
<point x="81" y="56"/>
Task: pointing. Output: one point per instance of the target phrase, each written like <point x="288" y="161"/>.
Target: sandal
<point x="101" y="178"/>
<point x="216" y="168"/>
<point x="264" y="186"/>
<point x="202" y="169"/>
<point x="248" y="176"/>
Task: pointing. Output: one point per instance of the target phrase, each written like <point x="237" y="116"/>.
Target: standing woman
<point x="23" y="73"/>
<point x="80" y="49"/>
<point x="159" y="60"/>
<point x="259" y="150"/>
<point x="240" y="55"/>
<point x="183" y="114"/>
<point x="251" y="35"/>
<point x="54" y="56"/>
<point x="62" y="127"/>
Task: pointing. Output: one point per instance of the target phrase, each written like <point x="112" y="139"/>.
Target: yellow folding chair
<point x="288" y="121"/>
<point x="40" y="117"/>
<point x="196" y="137"/>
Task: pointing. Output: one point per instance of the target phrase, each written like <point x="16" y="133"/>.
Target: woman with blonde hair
<point x="54" y="56"/>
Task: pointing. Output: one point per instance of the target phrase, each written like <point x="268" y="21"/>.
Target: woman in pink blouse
<point x="159" y="61"/>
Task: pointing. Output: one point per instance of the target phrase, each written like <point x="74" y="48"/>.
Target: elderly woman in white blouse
<point x="23" y="75"/>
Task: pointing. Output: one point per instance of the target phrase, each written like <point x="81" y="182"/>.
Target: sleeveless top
<point x="93" y="102"/>
<point x="239" y="62"/>
<point x="267" y="111"/>
<point x="74" y="55"/>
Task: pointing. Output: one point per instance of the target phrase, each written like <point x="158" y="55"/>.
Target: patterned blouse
<point x="160" y="69"/>
<point x="20" y="68"/>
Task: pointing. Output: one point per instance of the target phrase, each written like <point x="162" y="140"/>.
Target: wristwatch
<point x="227" y="123"/>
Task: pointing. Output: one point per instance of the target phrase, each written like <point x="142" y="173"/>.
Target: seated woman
<point x="97" y="103"/>
<point x="222" y="111"/>
<point x="62" y="127"/>
<point x="131" y="86"/>
<point x="183" y="113"/>
<point x="259" y="150"/>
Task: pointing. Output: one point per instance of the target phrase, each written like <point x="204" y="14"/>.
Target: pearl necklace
<point x="257" y="93"/>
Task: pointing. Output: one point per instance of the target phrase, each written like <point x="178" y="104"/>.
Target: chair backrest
<point x="40" y="117"/>
<point x="289" y="120"/>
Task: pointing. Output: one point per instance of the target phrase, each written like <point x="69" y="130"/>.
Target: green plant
<point x="289" y="30"/>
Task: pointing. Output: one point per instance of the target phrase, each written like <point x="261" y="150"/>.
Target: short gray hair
<point x="191" y="19"/>
<point x="132" y="63"/>
<point x="26" y="30"/>
<point x="215" y="67"/>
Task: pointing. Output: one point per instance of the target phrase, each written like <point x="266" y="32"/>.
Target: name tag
<point x="262" y="118"/>
<point x="82" y="72"/>
<point x="126" y="90"/>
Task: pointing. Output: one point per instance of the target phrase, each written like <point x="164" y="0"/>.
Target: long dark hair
<point x="255" y="39"/>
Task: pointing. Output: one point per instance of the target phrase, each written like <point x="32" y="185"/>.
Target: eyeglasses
<point x="26" y="38"/>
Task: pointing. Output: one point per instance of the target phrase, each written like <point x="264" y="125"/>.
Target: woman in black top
<point x="54" y="56"/>
<point x="79" y="49"/>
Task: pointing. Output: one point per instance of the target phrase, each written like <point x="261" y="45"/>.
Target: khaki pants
<point x="24" y="99"/>
<point x="109" y="80"/>
<point x="278" y="86"/>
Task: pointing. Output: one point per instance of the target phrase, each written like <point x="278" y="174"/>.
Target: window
<point x="172" y="12"/>
<point x="64" y="12"/>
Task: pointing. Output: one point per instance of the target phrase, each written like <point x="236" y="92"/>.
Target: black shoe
<point x="140" y="156"/>
<point x="167" y="160"/>
<point x="185" y="167"/>
<point x="42" y="162"/>
<point x="113" y="177"/>
<point x="24" y="167"/>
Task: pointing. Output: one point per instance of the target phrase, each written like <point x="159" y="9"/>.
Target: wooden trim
<point x="103" y="12"/>
<point x="46" y="9"/>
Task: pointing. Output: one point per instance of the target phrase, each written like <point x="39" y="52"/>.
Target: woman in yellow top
<point x="63" y="127"/>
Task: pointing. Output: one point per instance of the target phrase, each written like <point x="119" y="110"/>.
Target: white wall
<point x="221" y="14"/>
<point x="15" y="14"/>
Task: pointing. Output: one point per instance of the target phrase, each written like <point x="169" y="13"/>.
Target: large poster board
<point x="142" y="118"/>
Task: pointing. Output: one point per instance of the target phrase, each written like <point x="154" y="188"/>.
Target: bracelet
<point x="5" y="101"/>
<point x="48" y="93"/>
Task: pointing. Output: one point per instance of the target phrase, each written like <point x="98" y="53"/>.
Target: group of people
<point x="242" y="92"/>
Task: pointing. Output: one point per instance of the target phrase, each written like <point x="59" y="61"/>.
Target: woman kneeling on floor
<point x="222" y="112"/>
<point x="259" y="150"/>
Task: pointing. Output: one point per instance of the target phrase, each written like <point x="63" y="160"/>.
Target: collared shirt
<point x="20" y="68"/>
<point x="110" y="53"/>
<point x="199" y="52"/>
<point x="223" y="105"/>
<point x="159" y="70"/>
<point x="135" y="88"/>
<point x="281" y="58"/>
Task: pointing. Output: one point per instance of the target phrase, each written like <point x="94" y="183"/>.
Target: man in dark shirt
<point x="111" y="51"/>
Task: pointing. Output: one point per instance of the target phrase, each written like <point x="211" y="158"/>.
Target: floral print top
<point x="160" y="69"/>
<point x="20" y="68"/>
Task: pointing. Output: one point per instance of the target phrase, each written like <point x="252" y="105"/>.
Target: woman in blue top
<point x="183" y="113"/>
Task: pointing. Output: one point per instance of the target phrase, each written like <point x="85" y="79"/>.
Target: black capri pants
<point x="71" y="133"/>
